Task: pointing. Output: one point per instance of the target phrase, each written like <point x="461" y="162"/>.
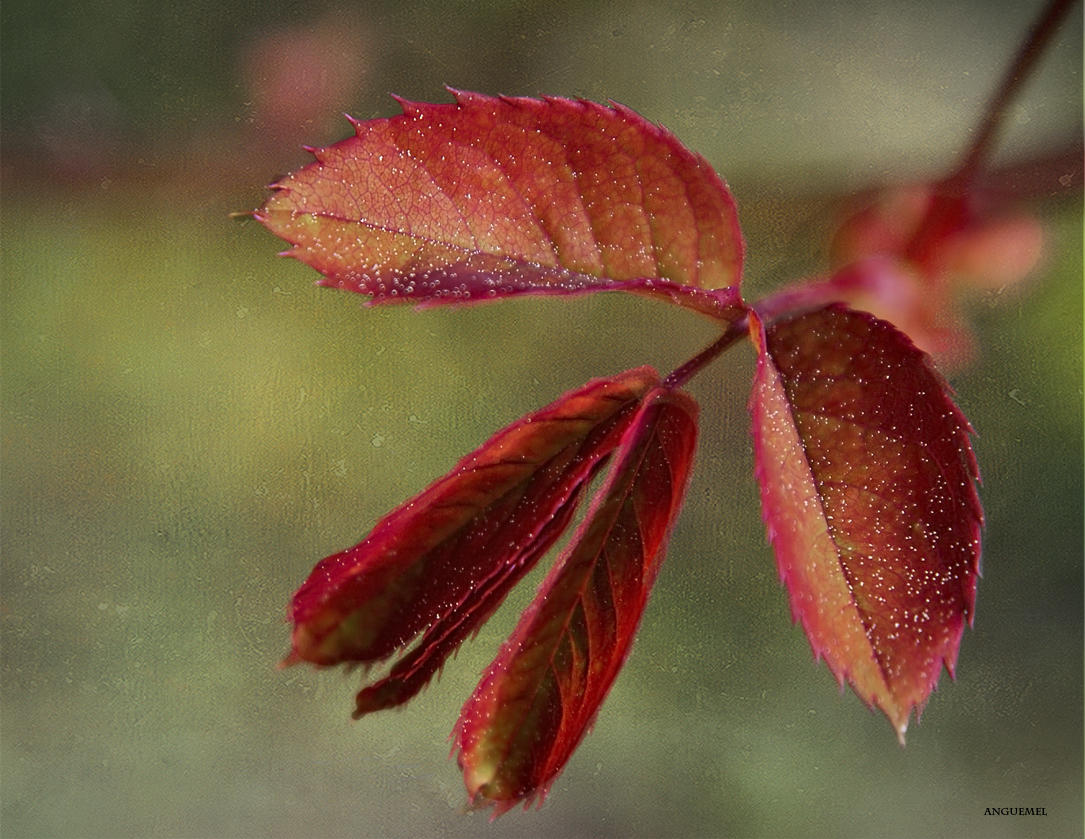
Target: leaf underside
<point x="490" y="197"/>
<point x="868" y="486"/>
<point x="541" y="694"/>
<point x="443" y="561"/>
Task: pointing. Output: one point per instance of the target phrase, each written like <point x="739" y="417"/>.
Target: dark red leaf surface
<point x="868" y="485"/>
<point x="490" y="197"/>
<point x="443" y="561"/>
<point x="542" y="692"/>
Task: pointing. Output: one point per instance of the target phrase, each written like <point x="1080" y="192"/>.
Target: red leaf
<point x="868" y="488"/>
<point x="443" y="561"/>
<point x="541" y="694"/>
<point x="490" y="197"/>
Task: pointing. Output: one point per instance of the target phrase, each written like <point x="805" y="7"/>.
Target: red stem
<point x="691" y="368"/>
<point x="1031" y="50"/>
<point x="952" y="193"/>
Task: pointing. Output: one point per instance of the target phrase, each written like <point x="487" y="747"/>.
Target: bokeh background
<point x="188" y="424"/>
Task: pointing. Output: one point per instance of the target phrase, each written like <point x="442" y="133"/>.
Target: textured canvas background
<point x="188" y="425"/>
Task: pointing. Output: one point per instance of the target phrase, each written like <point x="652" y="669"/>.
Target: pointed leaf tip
<point x="541" y="694"/>
<point x="868" y="487"/>
<point x="489" y="197"/>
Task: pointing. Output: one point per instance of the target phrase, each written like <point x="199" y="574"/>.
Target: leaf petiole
<point x="682" y="374"/>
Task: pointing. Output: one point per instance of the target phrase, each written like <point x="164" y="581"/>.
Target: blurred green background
<point x="188" y="425"/>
